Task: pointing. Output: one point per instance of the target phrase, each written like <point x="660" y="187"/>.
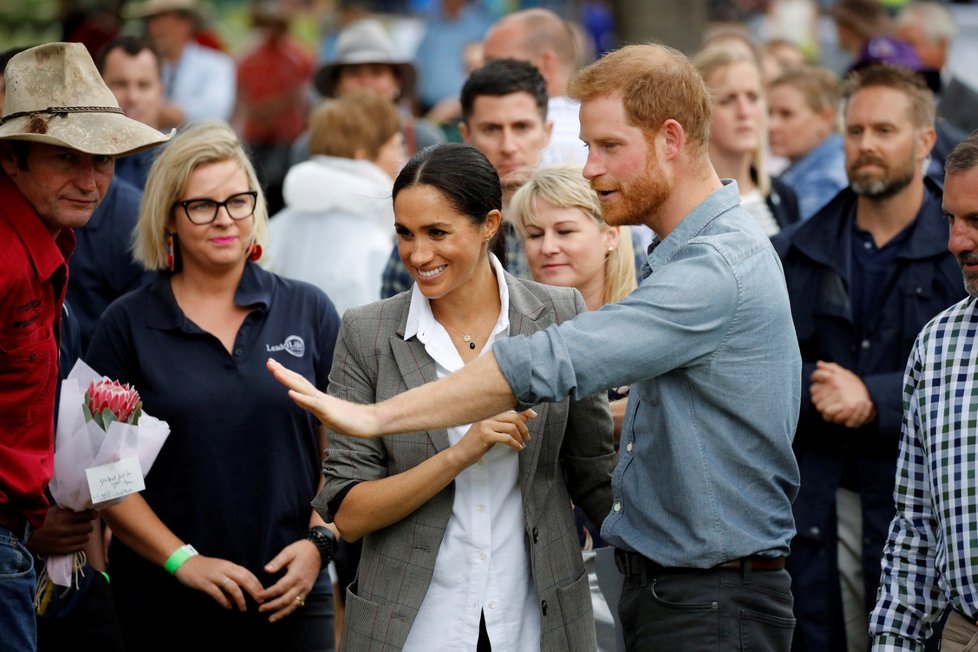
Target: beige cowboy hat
<point x="56" y="96"/>
<point x="365" y="41"/>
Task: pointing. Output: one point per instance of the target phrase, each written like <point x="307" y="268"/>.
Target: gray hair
<point x="935" y="21"/>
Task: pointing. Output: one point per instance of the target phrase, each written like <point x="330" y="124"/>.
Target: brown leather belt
<point x="632" y="563"/>
<point x="13" y="520"/>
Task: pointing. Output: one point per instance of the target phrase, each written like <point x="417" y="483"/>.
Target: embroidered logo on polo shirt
<point x="293" y="345"/>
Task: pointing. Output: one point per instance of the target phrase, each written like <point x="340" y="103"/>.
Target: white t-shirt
<point x="759" y="210"/>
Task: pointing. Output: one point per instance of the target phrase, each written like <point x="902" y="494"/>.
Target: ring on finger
<point x="300" y="601"/>
<point x="225" y="582"/>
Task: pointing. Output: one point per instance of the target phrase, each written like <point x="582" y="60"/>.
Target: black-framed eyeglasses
<point x="204" y="211"/>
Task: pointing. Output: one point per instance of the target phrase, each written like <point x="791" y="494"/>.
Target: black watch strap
<point x="325" y="542"/>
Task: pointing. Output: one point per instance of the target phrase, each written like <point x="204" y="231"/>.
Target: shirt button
<point x="482" y="555"/>
<point x="543" y="607"/>
<point x="237" y="352"/>
<point x="868" y="245"/>
<point x="629" y="447"/>
<point x="814" y="531"/>
<point x="481" y="508"/>
<point x="865" y="344"/>
<point x="617" y="507"/>
<point x="535" y="534"/>
<point x="492" y="604"/>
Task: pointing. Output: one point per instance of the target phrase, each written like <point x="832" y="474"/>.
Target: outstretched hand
<point x="336" y="414"/>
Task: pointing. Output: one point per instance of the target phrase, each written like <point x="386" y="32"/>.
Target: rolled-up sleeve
<point x="349" y="460"/>
<point x="679" y="314"/>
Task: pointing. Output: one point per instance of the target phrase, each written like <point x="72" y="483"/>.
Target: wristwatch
<point x="325" y="542"/>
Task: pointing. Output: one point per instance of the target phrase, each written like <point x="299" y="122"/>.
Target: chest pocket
<point x="27" y="375"/>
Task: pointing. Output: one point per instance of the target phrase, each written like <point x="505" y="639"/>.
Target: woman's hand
<point x="223" y="580"/>
<point x="508" y="428"/>
<point x="341" y="416"/>
<point x="302" y="563"/>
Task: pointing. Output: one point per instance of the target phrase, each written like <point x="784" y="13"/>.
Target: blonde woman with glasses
<point x="222" y="550"/>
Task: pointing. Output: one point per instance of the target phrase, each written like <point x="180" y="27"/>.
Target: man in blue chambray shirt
<point x="703" y="489"/>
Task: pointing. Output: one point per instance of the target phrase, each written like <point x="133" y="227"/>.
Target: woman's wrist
<point x="324" y="540"/>
<point x="178" y="558"/>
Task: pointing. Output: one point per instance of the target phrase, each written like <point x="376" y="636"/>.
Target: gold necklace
<point x="465" y="337"/>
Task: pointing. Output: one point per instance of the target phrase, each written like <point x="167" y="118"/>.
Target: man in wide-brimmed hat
<point x="60" y="131"/>
<point x="365" y="58"/>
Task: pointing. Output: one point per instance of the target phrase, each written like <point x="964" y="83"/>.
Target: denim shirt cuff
<point x="513" y="357"/>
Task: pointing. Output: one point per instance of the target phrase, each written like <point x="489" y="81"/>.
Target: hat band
<point x="62" y="111"/>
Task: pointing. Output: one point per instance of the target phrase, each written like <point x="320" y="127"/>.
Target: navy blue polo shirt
<point x="242" y="463"/>
<point x="871" y="267"/>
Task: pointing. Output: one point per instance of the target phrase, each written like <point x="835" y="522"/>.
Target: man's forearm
<point x="477" y="391"/>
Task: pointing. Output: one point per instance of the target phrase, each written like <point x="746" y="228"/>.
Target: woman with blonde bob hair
<point x="235" y="477"/>
<point x="567" y="241"/>
<point x="208" y="142"/>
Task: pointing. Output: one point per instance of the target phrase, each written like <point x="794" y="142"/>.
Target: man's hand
<point x="340" y="416"/>
<point x="841" y="396"/>
<point x="64" y="532"/>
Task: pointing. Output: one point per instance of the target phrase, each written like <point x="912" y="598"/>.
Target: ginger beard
<point x="638" y="199"/>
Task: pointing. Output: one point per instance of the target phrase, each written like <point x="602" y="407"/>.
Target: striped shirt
<point x="931" y="554"/>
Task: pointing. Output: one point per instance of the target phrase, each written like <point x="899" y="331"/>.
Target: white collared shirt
<point x="483" y="564"/>
<point x="565" y="146"/>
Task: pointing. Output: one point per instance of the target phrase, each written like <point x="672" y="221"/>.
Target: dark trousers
<point x="81" y="619"/>
<point x="175" y="618"/>
<point x="719" y="610"/>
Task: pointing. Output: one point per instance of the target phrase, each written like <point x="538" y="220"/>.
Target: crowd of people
<point x="524" y="350"/>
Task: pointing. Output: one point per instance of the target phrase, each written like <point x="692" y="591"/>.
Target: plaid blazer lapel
<point x="416" y="368"/>
<point x="527" y="316"/>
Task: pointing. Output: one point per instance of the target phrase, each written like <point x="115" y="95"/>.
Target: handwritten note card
<point x="115" y="480"/>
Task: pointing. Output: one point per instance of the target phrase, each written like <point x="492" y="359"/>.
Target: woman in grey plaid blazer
<point x="406" y="495"/>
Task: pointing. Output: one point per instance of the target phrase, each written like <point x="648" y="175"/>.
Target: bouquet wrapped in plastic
<point x="104" y="446"/>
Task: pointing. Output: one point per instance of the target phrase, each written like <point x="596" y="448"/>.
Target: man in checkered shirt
<point x="930" y="560"/>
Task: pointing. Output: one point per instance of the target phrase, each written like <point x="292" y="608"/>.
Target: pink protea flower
<point x="108" y="400"/>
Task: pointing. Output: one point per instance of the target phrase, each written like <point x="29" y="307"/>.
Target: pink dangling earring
<point x="170" y="263"/>
<point x="255" y="252"/>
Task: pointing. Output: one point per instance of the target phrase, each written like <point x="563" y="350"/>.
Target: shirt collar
<point x="421" y="322"/>
<point x="719" y="202"/>
<point x="254" y="291"/>
<point x="827" y="240"/>
<point x="47" y="253"/>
